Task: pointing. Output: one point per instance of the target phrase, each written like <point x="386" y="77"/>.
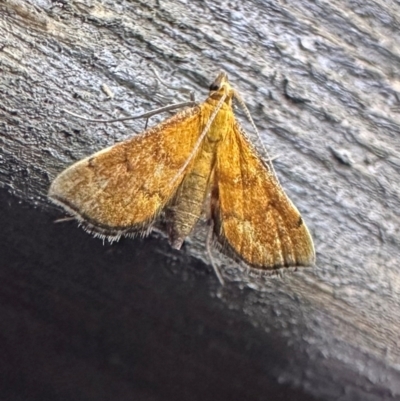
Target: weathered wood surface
<point x="136" y="320"/>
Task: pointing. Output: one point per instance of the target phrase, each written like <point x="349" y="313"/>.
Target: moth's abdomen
<point x="187" y="206"/>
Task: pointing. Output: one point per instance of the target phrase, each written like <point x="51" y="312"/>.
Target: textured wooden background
<point x="80" y="320"/>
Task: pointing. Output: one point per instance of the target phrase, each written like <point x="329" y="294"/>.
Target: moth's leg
<point x="64" y="219"/>
<point x="209" y="251"/>
<point x="175" y="88"/>
<point x="180" y="89"/>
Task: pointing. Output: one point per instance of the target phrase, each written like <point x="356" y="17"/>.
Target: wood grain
<point x="321" y="80"/>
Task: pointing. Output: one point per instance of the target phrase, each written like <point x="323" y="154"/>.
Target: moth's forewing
<point x="254" y="218"/>
<point x="126" y="186"/>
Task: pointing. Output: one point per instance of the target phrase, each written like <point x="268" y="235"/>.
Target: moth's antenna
<point x="200" y="140"/>
<point x="143" y="115"/>
<point x="250" y="118"/>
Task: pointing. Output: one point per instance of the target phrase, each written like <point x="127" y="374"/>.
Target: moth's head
<point x="221" y="87"/>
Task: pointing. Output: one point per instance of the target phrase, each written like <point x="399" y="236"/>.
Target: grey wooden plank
<point x="321" y="81"/>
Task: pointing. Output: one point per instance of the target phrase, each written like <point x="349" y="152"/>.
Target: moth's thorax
<point x="223" y="121"/>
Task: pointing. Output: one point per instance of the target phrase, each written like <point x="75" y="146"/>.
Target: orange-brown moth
<point x="197" y="162"/>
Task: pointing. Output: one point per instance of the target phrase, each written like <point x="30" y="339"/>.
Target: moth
<point x="197" y="163"/>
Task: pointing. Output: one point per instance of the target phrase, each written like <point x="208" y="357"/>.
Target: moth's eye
<point x="214" y="87"/>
